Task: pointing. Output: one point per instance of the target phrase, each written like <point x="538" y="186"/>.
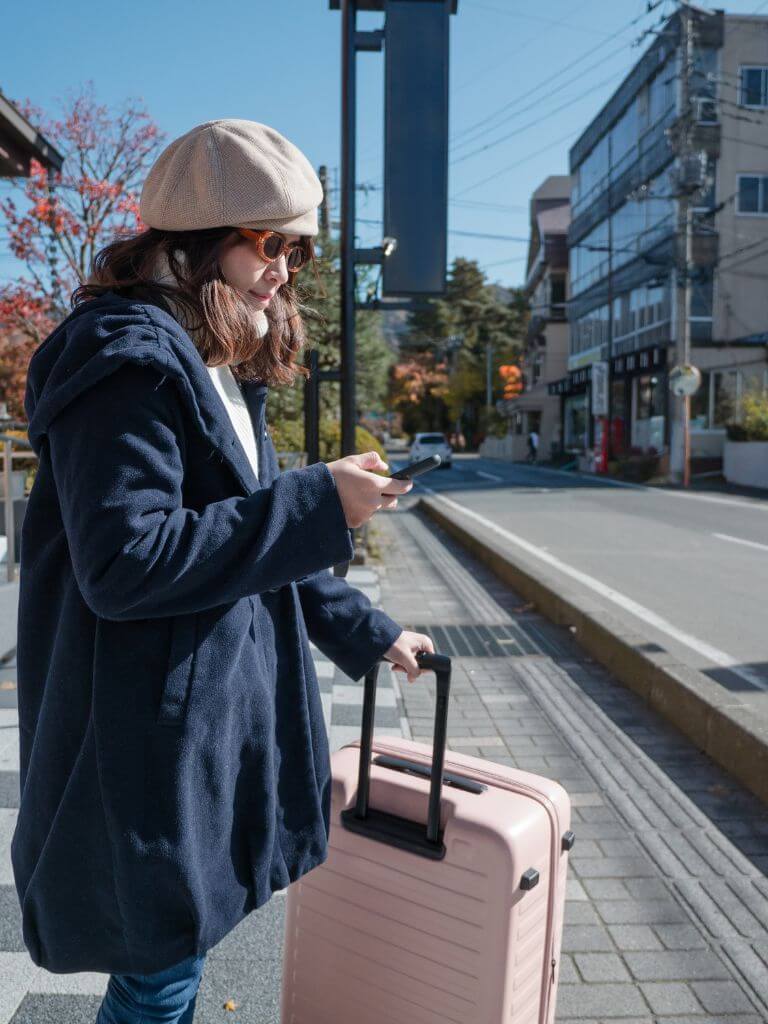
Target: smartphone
<point x="417" y="468"/>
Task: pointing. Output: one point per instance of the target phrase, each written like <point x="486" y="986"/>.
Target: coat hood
<point x="98" y="337"/>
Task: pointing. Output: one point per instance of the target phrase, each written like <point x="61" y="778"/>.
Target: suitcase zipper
<point x="551" y="810"/>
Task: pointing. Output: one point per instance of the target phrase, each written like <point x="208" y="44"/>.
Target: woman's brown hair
<point x="219" y="321"/>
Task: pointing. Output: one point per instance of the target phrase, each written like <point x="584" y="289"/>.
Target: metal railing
<point x="9" y="441"/>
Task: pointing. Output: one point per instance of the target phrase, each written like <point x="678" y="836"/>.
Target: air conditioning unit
<point x="704" y="109"/>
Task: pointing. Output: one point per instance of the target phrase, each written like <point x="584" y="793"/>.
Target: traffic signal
<point x="512" y="378"/>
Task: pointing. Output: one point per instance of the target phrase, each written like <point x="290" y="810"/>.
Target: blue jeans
<point x="168" y="996"/>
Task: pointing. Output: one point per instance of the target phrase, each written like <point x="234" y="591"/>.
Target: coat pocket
<point x="180" y="670"/>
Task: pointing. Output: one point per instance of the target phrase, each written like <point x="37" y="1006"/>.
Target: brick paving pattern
<point x="246" y="965"/>
<point x="667" y="900"/>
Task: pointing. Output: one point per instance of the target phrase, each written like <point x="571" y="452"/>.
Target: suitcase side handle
<point x="387" y="827"/>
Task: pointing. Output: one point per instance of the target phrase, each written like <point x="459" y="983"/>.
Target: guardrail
<point x="9" y="441"/>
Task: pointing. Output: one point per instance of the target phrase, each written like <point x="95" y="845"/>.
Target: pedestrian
<point x="533" y="445"/>
<point x="175" y="766"/>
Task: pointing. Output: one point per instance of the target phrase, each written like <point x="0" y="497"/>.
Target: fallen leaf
<point x="230" y="1005"/>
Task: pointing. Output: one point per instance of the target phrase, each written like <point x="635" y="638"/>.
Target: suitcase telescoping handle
<point x="390" y="828"/>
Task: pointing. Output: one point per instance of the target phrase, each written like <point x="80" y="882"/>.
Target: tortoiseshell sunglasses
<point x="271" y="245"/>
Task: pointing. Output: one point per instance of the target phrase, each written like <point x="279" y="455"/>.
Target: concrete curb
<point x="717" y="723"/>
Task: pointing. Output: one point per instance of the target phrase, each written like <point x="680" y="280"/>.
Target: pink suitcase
<point x="437" y="904"/>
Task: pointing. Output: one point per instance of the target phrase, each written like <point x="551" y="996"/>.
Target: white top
<point x="229" y="390"/>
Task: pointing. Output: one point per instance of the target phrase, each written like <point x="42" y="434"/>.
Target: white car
<point x="425" y="445"/>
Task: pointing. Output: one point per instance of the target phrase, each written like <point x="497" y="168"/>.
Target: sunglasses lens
<point x="272" y="246"/>
<point x="296" y="258"/>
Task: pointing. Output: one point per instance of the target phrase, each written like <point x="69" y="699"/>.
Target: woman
<point x="174" y="760"/>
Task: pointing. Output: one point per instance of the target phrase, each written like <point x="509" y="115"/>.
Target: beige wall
<point x="741" y="284"/>
<point x="556" y="353"/>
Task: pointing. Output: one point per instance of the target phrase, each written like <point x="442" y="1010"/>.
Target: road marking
<point x="753" y="503"/>
<point x="489" y="476"/>
<point x="739" y="540"/>
<point x="702" y="648"/>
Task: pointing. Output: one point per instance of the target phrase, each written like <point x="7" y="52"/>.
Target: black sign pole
<point x="348" y="116"/>
<point x="312" y="410"/>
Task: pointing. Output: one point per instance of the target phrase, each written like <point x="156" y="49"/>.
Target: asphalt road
<point x="690" y="569"/>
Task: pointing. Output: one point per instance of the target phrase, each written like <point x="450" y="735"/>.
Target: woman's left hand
<point x="403" y="653"/>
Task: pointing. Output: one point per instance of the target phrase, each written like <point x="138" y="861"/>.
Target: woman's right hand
<point x="361" y="490"/>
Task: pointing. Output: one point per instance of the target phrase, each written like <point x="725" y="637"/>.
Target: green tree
<point x="320" y="298"/>
<point x="472" y="312"/>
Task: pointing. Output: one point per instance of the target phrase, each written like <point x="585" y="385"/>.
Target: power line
<point x="537" y="121"/>
<point x="468" y="234"/>
<point x="742" y="249"/>
<point x="536" y="88"/>
<point x="530" y="17"/>
<point x="504" y="207"/>
<point x="498" y="263"/>
<point x="523" y="110"/>
<point x="517" y="163"/>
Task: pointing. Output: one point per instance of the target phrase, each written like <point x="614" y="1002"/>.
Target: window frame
<point x="764" y="88"/>
<point x="761" y="176"/>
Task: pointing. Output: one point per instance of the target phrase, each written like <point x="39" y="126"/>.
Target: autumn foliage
<point x="60" y="220"/>
<point x="512" y="377"/>
<point x="418" y="377"/>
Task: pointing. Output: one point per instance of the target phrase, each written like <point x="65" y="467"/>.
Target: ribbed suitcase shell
<point x="380" y="935"/>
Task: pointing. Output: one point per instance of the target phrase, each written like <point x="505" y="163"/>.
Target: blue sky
<point x="553" y="63"/>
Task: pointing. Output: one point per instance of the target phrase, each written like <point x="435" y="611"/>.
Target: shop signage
<point x="600" y="389"/>
<point x="639" y="362"/>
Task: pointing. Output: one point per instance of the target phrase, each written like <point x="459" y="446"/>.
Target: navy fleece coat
<point x="174" y="761"/>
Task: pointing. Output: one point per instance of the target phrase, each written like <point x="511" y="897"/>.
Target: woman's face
<point x="256" y="280"/>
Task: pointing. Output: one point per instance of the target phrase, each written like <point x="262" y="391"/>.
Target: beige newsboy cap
<point x="232" y="172"/>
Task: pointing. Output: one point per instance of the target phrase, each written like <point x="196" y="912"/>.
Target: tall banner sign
<point x="416" y="146"/>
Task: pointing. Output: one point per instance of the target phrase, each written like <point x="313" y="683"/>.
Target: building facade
<point x="545" y="353"/>
<point x="625" y="246"/>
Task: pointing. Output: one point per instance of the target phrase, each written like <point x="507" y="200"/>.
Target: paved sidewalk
<point x="246" y="965"/>
<point x="667" y="902"/>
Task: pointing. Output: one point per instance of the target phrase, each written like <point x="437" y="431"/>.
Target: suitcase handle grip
<point x="441" y="666"/>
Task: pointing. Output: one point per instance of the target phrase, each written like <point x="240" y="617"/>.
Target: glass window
<point x="591" y="175"/>
<point x="700" y="404"/>
<point x="624" y="137"/>
<point x="661" y="95"/>
<point x="753" y="193"/>
<point x="557" y="289"/>
<point x="701" y="296"/>
<point x="575" y="415"/>
<point x="648" y="428"/>
<point x="589" y="258"/>
<point x="753" y="91"/>
<point x="753" y="380"/>
<point x="724" y="397"/>
<point x="650" y="397"/>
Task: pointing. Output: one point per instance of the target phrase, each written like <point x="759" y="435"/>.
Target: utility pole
<point x="489" y="375"/>
<point x="325" y="219"/>
<point x="682" y="470"/>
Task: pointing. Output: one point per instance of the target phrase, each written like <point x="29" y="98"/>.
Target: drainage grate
<point x="475" y="640"/>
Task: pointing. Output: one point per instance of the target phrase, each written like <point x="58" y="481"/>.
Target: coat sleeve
<point x="343" y="623"/>
<point x="117" y="454"/>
